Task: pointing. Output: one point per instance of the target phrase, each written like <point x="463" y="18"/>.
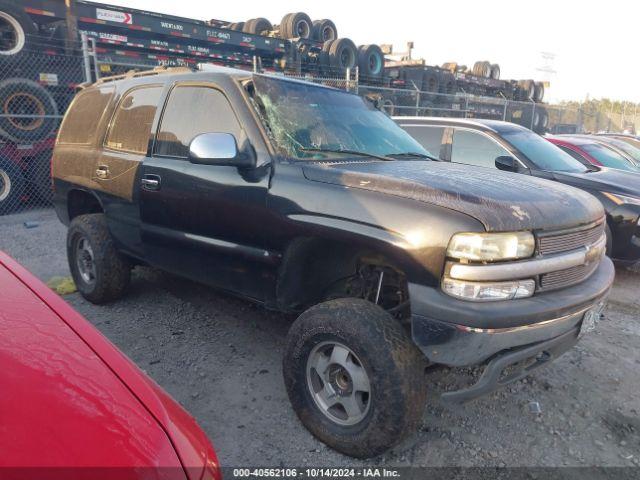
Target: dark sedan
<point x="510" y="147"/>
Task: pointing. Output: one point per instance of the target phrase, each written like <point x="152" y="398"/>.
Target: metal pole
<point x="85" y="57"/>
<point x="357" y="79"/>
<point x="348" y="79"/>
<point x="504" y="110"/>
<point x="533" y="112"/>
<point x="96" y="65"/>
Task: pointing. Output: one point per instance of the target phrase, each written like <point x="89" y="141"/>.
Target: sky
<point x="595" y="44"/>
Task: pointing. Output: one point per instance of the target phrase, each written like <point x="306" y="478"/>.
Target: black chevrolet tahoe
<point x="309" y="200"/>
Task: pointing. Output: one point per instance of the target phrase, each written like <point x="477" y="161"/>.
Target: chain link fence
<point x="36" y="87"/>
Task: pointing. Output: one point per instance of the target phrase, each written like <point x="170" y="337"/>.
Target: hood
<point x="605" y="180"/>
<point x="501" y="201"/>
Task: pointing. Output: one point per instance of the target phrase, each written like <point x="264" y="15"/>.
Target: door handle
<point x="102" y="172"/>
<point x="151" y="182"/>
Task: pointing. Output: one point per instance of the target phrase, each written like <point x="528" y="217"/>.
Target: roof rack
<point x="160" y="70"/>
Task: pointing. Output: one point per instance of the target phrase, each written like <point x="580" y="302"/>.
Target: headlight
<point x="486" y="292"/>
<point x="491" y="246"/>
<point x="621" y="199"/>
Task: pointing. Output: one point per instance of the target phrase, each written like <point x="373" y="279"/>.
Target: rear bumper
<point x="459" y="333"/>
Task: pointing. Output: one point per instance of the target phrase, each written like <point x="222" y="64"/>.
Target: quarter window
<point x="191" y="111"/>
<point x="81" y="121"/>
<point x="131" y="124"/>
<point x="473" y="148"/>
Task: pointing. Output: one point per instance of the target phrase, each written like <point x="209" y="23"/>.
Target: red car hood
<point x="69" y="398"/>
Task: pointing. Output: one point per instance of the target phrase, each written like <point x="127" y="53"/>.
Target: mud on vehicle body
<point x="309" y="200"/>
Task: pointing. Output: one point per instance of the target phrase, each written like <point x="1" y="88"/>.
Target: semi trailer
<point x="42" y="61"/>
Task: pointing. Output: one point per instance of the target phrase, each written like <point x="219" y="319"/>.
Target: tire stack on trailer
<point x="34" y="91"/>
<point x="320" y="48"/>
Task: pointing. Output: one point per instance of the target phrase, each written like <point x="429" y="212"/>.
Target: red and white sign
<point x="114" y="16"/>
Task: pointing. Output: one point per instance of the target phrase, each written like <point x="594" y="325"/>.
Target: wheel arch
<point x="82" y="202"/>
<point x="315" y="264"/>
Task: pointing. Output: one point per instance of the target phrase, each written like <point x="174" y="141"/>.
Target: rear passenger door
<point x="198" y="220"/>
<point x="126" y="143"/>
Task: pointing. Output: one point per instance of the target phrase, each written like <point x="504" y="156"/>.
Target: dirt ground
<point x="221" y="358"/>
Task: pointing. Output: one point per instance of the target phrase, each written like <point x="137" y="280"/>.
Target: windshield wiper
<point x="412" y="154"/>
<point x="347" y="152"/>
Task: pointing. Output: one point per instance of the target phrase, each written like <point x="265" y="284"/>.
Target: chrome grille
<point x="566" y="278"/>
<point x="549" y="244"/>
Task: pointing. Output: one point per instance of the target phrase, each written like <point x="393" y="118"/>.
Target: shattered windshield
<point x="310" y="122"/>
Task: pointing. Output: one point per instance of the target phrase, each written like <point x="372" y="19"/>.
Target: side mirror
<point x="218" y="149"/>
<point x="506" y="163"/>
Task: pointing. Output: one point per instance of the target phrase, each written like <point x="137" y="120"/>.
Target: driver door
<point x="200" y="220"/>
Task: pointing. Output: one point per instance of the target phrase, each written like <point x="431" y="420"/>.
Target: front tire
<point x="100" y="273"/>
<point x="354" y="377"/>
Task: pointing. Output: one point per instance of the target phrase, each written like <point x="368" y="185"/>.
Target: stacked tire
<point x="28" y="112"/>
<point x="324" y="30"/>
<point x="257" y="26"/>
<point x="526" y="90"/>
<point x="17" y="29"/>
<point x="538" y="92"/>
<point x="12" y="185"/>
<point x="338" y="55"/>
<point x="296" y="25"/>
<point x="370" y="61"/>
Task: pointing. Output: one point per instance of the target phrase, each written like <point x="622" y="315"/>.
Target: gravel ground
<point x="221" y="358"/>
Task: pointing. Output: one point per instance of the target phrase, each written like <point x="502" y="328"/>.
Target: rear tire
<point x="100" y="273"/>
<point x="378" y="387"/>
<point x="11" y="187"/>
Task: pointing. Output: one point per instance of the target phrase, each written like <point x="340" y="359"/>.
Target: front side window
<point x="303" y="119"/>
<point x="131" y="124"/>
<point x="191" y="111"/>
<point x="474" y="148"/>
<point x="428" y="136"/>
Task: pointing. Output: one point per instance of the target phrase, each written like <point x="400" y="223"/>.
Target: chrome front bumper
<point x="457" y="332"/>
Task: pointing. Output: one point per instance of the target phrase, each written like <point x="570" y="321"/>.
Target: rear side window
<point x="132" y="121"/>
<point x="429" y="137"/>
<point x="190" y="111"/>
<point x="81" y="121"/>
<point x="472" y="148"/>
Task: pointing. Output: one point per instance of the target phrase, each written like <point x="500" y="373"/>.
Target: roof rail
<point x="160" y="70"/>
